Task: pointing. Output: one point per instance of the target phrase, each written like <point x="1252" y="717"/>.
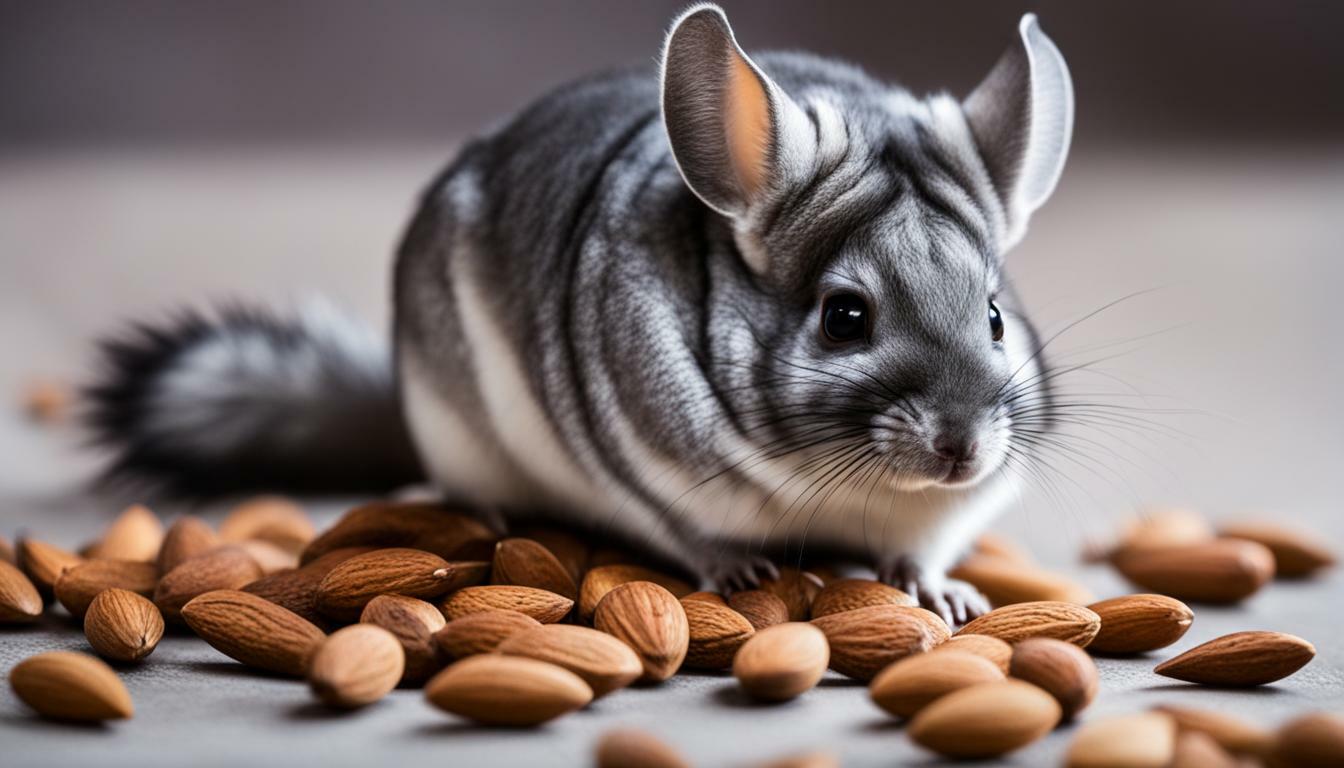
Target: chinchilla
<point x="734" y="305"/>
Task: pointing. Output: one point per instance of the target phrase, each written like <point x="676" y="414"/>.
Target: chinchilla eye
<point x="844" y="317"/>
<point x="995" y="322"/>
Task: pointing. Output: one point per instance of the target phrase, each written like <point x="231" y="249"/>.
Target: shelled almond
<point x="847" y="594"/>
<point x="355" y="666"/>
<point x="481" y="632"/>
<point x="1005" y="582"/>
<point x="716" y="633"/>
<point x="545" y="607"/>
<point x="1240" y="659"/>
<point x="1145" y="740"/>
<point x="64" y="685"/>
<point x="864" y="641"/>
<point x="526" y="563"/>
<point x="123" y="626"/>
<point x="20" y="602"/>
<point x="910" y="684"/>
<point x="603" y="662"/>
<point x="782" y="662"/>
<point x="797" y="589"/>
<point x="1231" y="733"/>
<point x="1297" y="554"/>
<point x="1220" y="571"/>
<point x="272" y="519"/>
<point x="992" y="649"/>
<point x="985" y="720"/>
<point x="1061" y="669"/>
<point x="650" y="620"/>
<point x="1139" y="623"/>
<point x="348" y="587"/>
<point x="495" y="689"/>
<point x="135" y="535"/>
<point x="631" y="748"/>
<point x="413" y="623"/>
<point x="188" y="537"/>
<point x="254" y="631"/>
<point x="78" y="585"/>
<point x="763" y="609"/>
<point x="602" y="579"/>
<point x="43" y="563"/>
<point x="227" y="567"/>
<point x="1015" y="623"/>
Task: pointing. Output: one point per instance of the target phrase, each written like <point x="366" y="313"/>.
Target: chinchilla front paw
<point x="734" y="572"/>
<point x="955" y="601"/>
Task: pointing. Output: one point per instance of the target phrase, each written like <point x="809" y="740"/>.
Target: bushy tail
<point x="246" y="400"/>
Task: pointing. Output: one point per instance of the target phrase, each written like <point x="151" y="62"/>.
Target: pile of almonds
<point x="519" y="631"/>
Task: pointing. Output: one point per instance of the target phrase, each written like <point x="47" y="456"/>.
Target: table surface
<point x="1233" y="353"/>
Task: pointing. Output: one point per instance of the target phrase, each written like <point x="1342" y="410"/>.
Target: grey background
<point x="154" y="154"/>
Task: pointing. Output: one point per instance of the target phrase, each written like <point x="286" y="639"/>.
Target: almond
<point x="20" y="602"/>
<point x="864" y="641"/>
<point x="1231" y="733"/>
<point x="7" y="553"/>
<point x="1015" y="623"/>
<point x="994" y="545"/>
<point x="1161" y="527"/>
<point x="253" y="631"/>
<point x="708" y="597"/>
<point x="227" y="567"/>
<point x="507" y="690"/>
<point x="602" y="579"/>
<point x="630" y="748"/>
<point x="122" y="626"/>
<point x="1297" y="554"/>
<point x="273" y="519"/>
<point x="77" y="586"/>
<point x="525" y="563"/>
<point x="797" y="589"/>
<point x="1313" y="739"/>
<point x="356" y="666"/>
<point x="847" y="594"/>
<point x="985" y="720"/>
<point x="938" y="629"/>
<point x="1198" y="750"/>
<point x="269" y="557"/>
<point x="803" y="760"/>
<point x="1139" y="623"/>
<point x="1220" y="571"/>
<point x="1061" y="669"/>
<point x="717" y="631"/>
<point x="570" y="550"/>
<point x="349" y="586"/>
<point x="545" y="607"/>
<point x="992" y="648"/>
<point x="480" y="632"/>
<point x="1145" y="740"/>
<point x="1240" y="659"/>
<point x="297" y="590"/>
<point x="395" y="524"/>
<point x="189" y="536"/>
<point x="413" y="622"/>
<point x="1004" y="582"/>
<point x="43" y="563"/>
<point x="782" y="662"/>
<point x="64" y="685"/>
<point x="135" y="535"/>
<point x="912" y="683"/>
<point x="763" y="609"/>
<point x="605" y="663"/>
<point x="649" y="619"/>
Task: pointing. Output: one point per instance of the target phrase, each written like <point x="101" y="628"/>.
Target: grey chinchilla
<point x="734" y="305"/>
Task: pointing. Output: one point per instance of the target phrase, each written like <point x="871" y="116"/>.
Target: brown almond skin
<point x="1139" y="623"/>
<point x="992" y="648"/>
<point x="1297" y="554"/>
<point x="1222" y="571"/>
<point x="7" y="553"/>
<point x="272" y="519"/>
<point x="717" y="631"/>
<point x="65" y="685"/>
<point x="650" y="620"/>
<point x="797" y="589"/>
<point x="865" y="641"/>
<point x="349" y="586"/>
<point x="20" y="602"/>
<point x="123" y="626"/>
<point x="631" y="748"/>
<point x="296" y="590"/>
<point x="480" y="632"/>
<point x="495" y="689"/>
<point x="77" y="586"/>
<point x="763" y="609"/>
<point x="572" y="551"/>
<point x="526" y="563"/>
<point x="842" y="595"/>
<point x="1015" y="623"/>
<point x="356" y="666"/>
<point x="1232" y="734"/>
<point x="1004" y="582"/>
<point x="268" y="556"/>
<point x="228" y="567"/>
<point x="1198" y="750"/>
<point x="1310" y="740"/>
<point x="994" y="545"/>
<point x="602" y="579"/>
<point x="708" y="597"/>
<point x="384" y="524"/>
<point x="1143" y="740"/>
<point x="985" y="720"/>
<point x="413" y="622"/>
<point x="1241" y="659"/>
<point x="253" y="631"/>
<point x="545" y="607"/>
<point x="909" y="685"/>
<point x="1061" y="669"/>
<point x="189" y="536"/>
<point x="605" y="663"/>
<point x="782" y="662"/>
<point x="43" y="564"/>
<point x="135" y="535"/>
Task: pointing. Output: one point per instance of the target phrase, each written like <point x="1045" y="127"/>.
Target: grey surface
<point x="1235" y="352"/>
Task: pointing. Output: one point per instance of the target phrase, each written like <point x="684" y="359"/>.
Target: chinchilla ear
<point x="1021" y="116"/>
<point x="729" y="124"/>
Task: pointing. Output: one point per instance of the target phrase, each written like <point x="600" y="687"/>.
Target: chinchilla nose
<point x="955" y="446"/>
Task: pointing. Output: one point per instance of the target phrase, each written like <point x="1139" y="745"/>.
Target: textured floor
<point x="1230" y="367"/>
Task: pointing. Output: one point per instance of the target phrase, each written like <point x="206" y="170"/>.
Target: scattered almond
<point x="189" y="536"/>
<point x="630" y="748"/>
<point x="20" y="602"/>
<point x="782" y="662"/>
<point x="864" y="641"/>
<point x="763" y="609"/>
<point x="994" y="545"/>
<point x="1005" y="582"/>
<point x="122" y="626"/>
<point x="1240" y="659"/>
<point x="1198" y="750"/>
<point x="847" y="594"/>
<point x="545" y="607"/>
<point x="397" y="524"/>
<point x="356" y="666"/>
<point x="1310" y="740"/>
<point x="570" y="550"/>
<point x="1161" y="527"/>
<point x="348" y="587"/>
<point x="912" y="683"/>
<point x="525" y="563"/>
<point x="649" y="619"/>
<point x="992" y="648"/>
<point x="1297" y="554"/>
<point x="1231" y="733"/>
<point x="254" y="631"/>
<point x="797" y="589"/>
<point x="77" y="586"/>
<point x="228" y="567"/>
<point x="802" y="760"/>
<point x="136" y="535"/>
<point x="273" y="519"/>
<point x="7" y="553"/>
<point x="480" y="632"/>
<point x="43" y="563"/>
<point x="64" y="685"/>
<point x="1139" y="623"/>
<point x="985" y="720"/>
<point x="717" y="631"/>
<point x="413" y="622"/>
<point x="602" y="579"/>
<point x="271" y="558"/>
<point x="939" y="632"/>
<point x="1145" y="740"/>
<point x="1219" y="571"/>
<point x="1061" y="669"/>
<point x="605" y="663"/>
<point x="507" y="690"/>
<point x="296" y="590"/>
<point x="1015" y="623"/>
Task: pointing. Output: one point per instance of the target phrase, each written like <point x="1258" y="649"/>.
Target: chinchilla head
<point x="873" y="330"/>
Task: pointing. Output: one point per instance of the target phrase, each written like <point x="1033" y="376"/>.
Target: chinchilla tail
<point x="246" y="400"/>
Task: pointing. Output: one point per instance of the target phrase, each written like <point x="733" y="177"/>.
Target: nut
<point x="356" y="666"/>
<point x="985" y="720"/>
<point x="413" y="622"/>
<point x="545" y="607"/>
<point x="991" y="648"/>
<point x="1005" y="582"/>
<point x="717" y="631"/>
<point x="64" y="685"/>
<point x="864" y="641"/>
<point x="605" y="663"/>
<point x="797" y="589"/>
<point x="1139" y="623"/>
<point x="77" y="586"/>
<point x="135" y="535"/>
<point x="273" y="519"/>
<point x="1146" y="740"/>
<point x="650" y="620"/>
<point x="349" y="586"/>
<point x="122" y="626"/>
<point x="228" y="567"/>
<point x="20" y="602"/>
<point x="1240" y="659"/>
<point x="254" y="631"/>
<point x="1297" y="554"/>
<point x="1061" y="669"/>
<point x="480" y="632"/>
<point x="1220" y="571"/>
<point x="602" y="579"/>
<point x="763" y="609"/>
<point x="782" y="662"/>
<point x="630" y="748"/>
<point x="1015" y="623"/>
<point x="507" y="690"/>
<point x="914" y="682"/>
<point x="847" y="594"/>
<point x="525" y="563"/>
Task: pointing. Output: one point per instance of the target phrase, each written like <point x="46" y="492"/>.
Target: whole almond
<point x="605" y="663"/>
<point x="1161" y="527"/>
<point x="413" y="622"/>
<point x="296" y="590"/>
<point x="650" y="620"/>
<point x="865" y="641"/>
<point x="1310" y="740"/>
<point x="572" y="551"/>
<point x="914" y="682"/>
<point x="64" y="685"/>
<point x="396" y="524"/>
<point x="797" y="589"/>
<point x="1061" y="669"/>
<point x="122" y="626"/>
<point x="135" y="535"/>
<point x="938" y="629"/>
<point x="356" y="666"/>
<point x="20" y="602"/>
<point x="253" y="631"/>
<point x="992" y="648"/>
<point x="480" y="632"/>
<point x="802" y="760"/>
<point x="630" y="748"/>
<point x="1297" y="554"/>
<point x="847" y="594"/>
<point x="1199" y="750"/>
<point x="189" y="536"/>
<point x="994" y="545"/>
<point x="43" y="564"/>
<point x="782" y="662"/>
<point x="270" y="558"/>
<point x="545" y="607"/>
<point x="77" y="586"/>
<point x="525" y="563"/>
<point x="1004" y="582"/>
<point x="1232" y="734"/>
<point x="1220" y="571"/>
<point x="495" y="689"/>
<point x="602" y="579"/>
<point x="985" y="720"/>
<point x="1240" y="659"/>
<point x="1139" y="623"/>
<point x="273" y="519"/>
<point x="763" y="609"/>
<point x="1145" y="740"/>
<point x="708" y="597"/>
<point x="349" y="586"/>
<point x="228" y="567"/>
<point x="1015" y="623"/>
<point x="717" y="631"/>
